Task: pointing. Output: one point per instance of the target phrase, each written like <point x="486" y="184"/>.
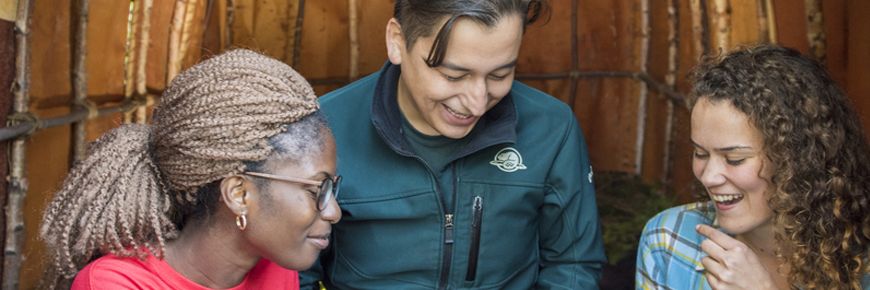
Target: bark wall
<point x="626" y="130"/>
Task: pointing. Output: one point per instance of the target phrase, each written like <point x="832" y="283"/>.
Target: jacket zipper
<point x="448" y="217"/>
<point x="473" y="253"/>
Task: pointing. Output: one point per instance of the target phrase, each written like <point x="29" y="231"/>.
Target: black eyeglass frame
<point x="323" y="196"/>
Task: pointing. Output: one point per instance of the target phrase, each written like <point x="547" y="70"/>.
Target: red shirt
<point x="111" y="272"/>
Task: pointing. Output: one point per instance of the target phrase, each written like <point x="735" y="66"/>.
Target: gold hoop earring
<point x="241" y="221"/>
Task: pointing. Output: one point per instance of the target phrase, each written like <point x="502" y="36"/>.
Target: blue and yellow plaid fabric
<point x="669" y="254"/>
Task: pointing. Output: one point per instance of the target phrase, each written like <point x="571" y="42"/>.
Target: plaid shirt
<point x="669" y="254"/>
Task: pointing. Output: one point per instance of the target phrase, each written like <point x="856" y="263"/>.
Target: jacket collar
<point x="499" y="122"/>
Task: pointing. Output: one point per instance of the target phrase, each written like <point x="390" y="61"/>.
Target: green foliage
<point x="625" y="204"/>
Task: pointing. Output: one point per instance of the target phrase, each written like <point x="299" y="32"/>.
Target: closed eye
<point x="453" y="79"/>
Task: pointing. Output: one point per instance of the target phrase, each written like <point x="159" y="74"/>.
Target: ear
<point x="395" y="41"/>
<point x="234" y="193"/>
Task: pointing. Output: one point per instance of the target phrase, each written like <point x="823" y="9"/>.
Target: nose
<point x="332" y="212"/>
<point x="712" y="173"/>
<point x="477" y="96"/>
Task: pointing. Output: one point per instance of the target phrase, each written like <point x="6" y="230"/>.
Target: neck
<point x="210" y="255"/>
<point x="762" y="240"/>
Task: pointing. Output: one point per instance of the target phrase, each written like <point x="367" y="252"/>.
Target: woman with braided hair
<point x="233" y="186"/>
<point x="784" y="163"/>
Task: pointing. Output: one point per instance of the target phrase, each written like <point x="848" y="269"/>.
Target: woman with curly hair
<point x="233" y="186"/>
<point x="784" y="161"/>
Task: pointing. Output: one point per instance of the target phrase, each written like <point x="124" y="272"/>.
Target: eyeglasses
<point x="328" y="187"/>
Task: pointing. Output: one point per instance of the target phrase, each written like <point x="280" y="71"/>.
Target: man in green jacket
<point x="457" y="176"/>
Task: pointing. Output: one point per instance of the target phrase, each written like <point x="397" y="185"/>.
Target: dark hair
<point x="418" y="18"/>
<point x="816" y="144"/>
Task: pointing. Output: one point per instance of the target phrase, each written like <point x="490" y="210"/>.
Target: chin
<point x="455" y="132"/>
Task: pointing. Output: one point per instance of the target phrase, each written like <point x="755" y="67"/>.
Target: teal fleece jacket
<point x="522" y="213"/>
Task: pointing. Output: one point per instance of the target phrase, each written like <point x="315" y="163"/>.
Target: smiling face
<point x="476" y="73"/>
<point x="286" y="227"/>
<point x="729" y="162"/>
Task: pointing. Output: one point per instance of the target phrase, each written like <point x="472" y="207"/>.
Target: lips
<point x="727" y="199"/>
<point x="456" y="114"/>
<point x="320" y="241"/>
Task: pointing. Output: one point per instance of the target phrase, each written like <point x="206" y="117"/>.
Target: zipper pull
<point x="477" y="211"/>
<point x="448" y="229"/>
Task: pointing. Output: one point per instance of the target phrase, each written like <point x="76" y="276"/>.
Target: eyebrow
<point x="724" y="149"/>
<point x="320" y="175"/>
<point x="452" y="66"/>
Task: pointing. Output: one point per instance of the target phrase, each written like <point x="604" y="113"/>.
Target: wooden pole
<point x="771" y="20"/>
<point x="699" y="31"/>
<point x="671" y="81"/>
<point x="173" y="64"/>
<point x="354" y="39"/>
<point x="763" y="29"/>
<point x="644" y="90"/>
<point x="190" y="12"/>
<point x="142" y="59"/>
<point x="79" y="79"/>
<point x="816" y="30"/>
<point x="130" y="59"/>
<point x="228" y="26"/>
<point x="575" y="57"/>
<point x="17" y="179"/>
<point x="723" y="24"/>
<point x="297" y="42"/>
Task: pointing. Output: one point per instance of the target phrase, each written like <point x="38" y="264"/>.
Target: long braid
<point x="211" y="120"/>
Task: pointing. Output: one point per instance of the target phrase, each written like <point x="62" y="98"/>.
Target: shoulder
<point x="111" y="272"/>
<point x="529" y="99"/>
<point x="354" y="91"/>
<point x="671" y="235"/>
<point x="680" y="220"/>
<point x="536" y="109"/>
<point x="670" y="253"/>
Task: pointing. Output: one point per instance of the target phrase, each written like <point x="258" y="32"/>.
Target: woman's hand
<point x="731" y="264"/>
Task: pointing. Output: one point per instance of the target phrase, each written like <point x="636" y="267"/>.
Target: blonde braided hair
<point x="213" y="119"/>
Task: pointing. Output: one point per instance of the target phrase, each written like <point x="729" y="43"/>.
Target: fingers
<point x="713" y="266"/>
<point x="713" y="249"/>
<point x="714" y="281"/>
<point x="723" y="240"/>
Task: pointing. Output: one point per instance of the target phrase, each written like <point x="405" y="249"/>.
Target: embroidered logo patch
<point x="508" y="160"/>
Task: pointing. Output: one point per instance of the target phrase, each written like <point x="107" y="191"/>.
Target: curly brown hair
<point x="815" y="141"/>
<point x="141" y="183"/>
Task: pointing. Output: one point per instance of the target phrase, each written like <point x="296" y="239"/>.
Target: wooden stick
<point x="771" y="21"/>
<point x="79" y="80"/>
<point x="231" y="18"/>
<point x="354" y="39"/>
<point x="699" y="32"/>
<point x="671" y="81"/>
<point x="723" y="24"/>
<point x="17" y="180"/>
<point x="190" y="12"/>
<point x="22" y="128"/>
<point x="816" y="30"/>
<point x="173" y="65"/>
<point x="575" y="57"/>
<point x="763" y="29"/>
<point x="644" y="90"/>
<point x="297" y="42"/>
<point x="130" y="59"/>
<point x="142" y="59"/>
